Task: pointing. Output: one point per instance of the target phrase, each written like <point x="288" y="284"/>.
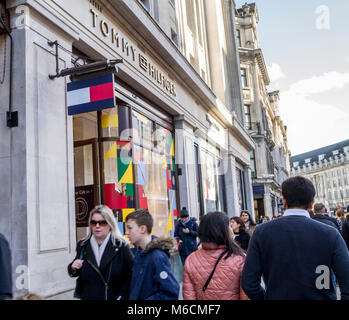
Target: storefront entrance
<point x="125" y="159"/>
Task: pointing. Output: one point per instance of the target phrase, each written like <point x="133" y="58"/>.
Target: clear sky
<point x="305" y="44"/>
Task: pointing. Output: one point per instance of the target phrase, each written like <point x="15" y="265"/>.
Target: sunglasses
<point x="102" y="223"/>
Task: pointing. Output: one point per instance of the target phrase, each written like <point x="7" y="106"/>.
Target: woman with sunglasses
<point x="103" y="262"/>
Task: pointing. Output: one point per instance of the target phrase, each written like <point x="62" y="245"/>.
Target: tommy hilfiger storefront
<point x="162" y="146"/>
<point x="125" y="157"/>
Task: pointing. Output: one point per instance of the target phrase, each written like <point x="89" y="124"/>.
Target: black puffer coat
<point x="345" y="231"/>
<point x="243" y="239"/>
<point x="111" y="280"/>
<point x="5" y="269"/>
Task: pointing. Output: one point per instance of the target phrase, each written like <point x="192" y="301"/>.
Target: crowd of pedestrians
<point x="298" y="255"/>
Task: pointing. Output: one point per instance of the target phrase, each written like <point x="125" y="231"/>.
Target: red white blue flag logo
<point x="91" y="94"/>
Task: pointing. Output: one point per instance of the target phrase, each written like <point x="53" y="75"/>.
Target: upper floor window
<point x="244" y="77"/>
<point x="321" y="157"/>
<point x="335" y="152"/>
<point x="253" y="164"/>
<point x="190" y="11"/>
<point x="346" y="149"/>
<point x="247" y="110"/>
<point x="146" y="4"/>
<point x="238" y="36"/>
<point x="174" y="37"/>
<point x="295" y="164"/>
<point x="307" y="160"/>
<point x="199" y="23"/>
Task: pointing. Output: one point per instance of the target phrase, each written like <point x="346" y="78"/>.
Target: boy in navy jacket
<point x="152" y="277"/>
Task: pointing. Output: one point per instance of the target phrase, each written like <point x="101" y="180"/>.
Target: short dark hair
<point x="298" y="192"/>
<point x="214" y="227"/>
<point x="142" y="217"/>
<point x="239" y="221"/>
<point x="318" y="207"/>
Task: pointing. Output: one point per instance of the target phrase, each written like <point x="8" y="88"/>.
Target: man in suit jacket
<point x="295" y="254"/>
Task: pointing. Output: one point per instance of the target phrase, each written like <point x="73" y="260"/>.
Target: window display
<point x="131" y="166"/>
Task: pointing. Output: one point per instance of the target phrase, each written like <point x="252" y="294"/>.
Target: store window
<point x="125" y="160"/>
<point x="212" y="182"/>
<point x="156" y="178"/>
<point x="241" y="188"/>
<point x="199" y="179"/>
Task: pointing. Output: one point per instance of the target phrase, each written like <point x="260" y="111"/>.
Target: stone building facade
<point x="328" y="169"/>
<point x="178" y="119"/>
<point x="270" y="159"/>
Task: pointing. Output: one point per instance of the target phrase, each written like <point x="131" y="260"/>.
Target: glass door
<point x="87" y="186"/>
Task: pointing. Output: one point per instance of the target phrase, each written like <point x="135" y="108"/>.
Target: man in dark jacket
<point x="345" y="229"/>
<point x="186" y="232"/>
<point x="5" y="269"/>
<point x="320" y="215"/>
<point x="152" y="277"/>
<point x="295" y="254"/>
<point x="334" y="220"/>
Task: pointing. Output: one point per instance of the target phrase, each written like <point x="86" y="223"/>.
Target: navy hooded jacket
<point x="188" y="244"/>
<point x="152" y="277"/>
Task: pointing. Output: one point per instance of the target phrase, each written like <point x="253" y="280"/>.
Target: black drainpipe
<point x="12" y="116"/>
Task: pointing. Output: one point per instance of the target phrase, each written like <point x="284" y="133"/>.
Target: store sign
<point x="258" y="190"/>
<point x="84" y="203"/>
<point x="90" y="94"/>
<point x="126" y="48"/>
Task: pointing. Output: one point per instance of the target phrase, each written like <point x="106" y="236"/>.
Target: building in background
<point x="270" y="159"/>
<point x="328" y="169"/>
<point x="174" y="139"/>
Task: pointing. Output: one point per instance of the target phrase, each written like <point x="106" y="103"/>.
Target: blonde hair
<point x="30" y="296"/>
<point x="108" y="215"/>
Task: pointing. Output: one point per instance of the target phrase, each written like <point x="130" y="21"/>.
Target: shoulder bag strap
<point x="212" y="273"/>
<point x="81" y="256"/>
